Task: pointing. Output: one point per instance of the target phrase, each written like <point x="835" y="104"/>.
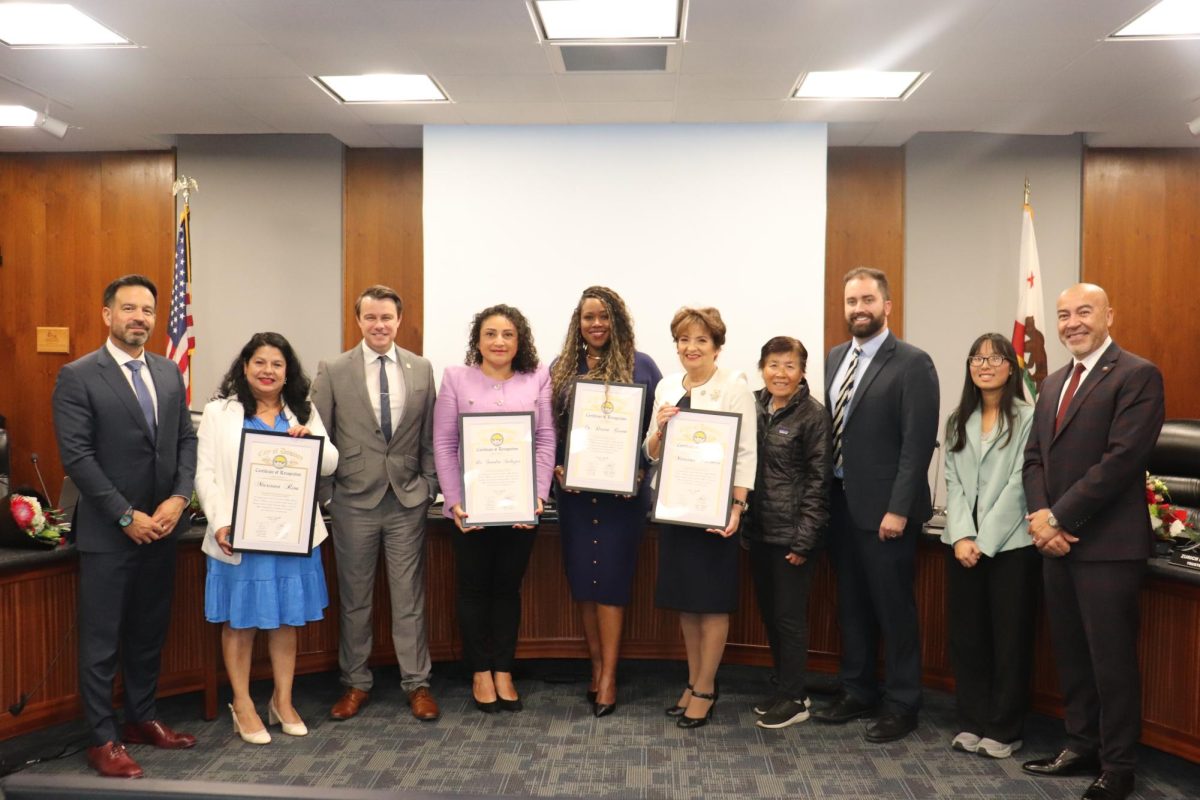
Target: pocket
<point x="349" y="465"/>
<point x="413" y="463"/>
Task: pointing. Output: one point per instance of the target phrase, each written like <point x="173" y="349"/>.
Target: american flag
<point x="182" y="337"/>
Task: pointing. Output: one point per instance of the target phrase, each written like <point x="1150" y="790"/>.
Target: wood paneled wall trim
<point x="383" y="236"/>
<point x="1141" y="214"/>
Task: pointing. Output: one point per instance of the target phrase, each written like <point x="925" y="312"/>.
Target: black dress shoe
<point x="603" y="709"/>
<point x="889" y="727"/>
<point x="510" y="705"/>
<point x="591" y="696"/>
<point x="1065" y="763"/>
<point x="677" y="711"/>
<point x="687" y="722"/>
<point x="1110" y="786"/>
<point x="844" y="709"/>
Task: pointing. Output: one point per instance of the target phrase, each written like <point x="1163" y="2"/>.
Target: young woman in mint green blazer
<point x="993" y="572"/>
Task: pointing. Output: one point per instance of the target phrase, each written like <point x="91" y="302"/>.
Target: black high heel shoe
<point x="510" y="705"/>
<point x="603" y="709"/>
<point x="685" y="721"/>
<point x="677" y="711"/>
<point x="591" y="696"/>
<point x="487" y="708"/>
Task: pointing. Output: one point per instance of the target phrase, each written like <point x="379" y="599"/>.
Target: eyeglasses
<point x="994" y="360"/>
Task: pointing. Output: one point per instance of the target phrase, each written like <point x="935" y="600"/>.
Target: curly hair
<point x="616" y="359"/>
<point x="526" y="359"/>
<point x="295" y="385"/>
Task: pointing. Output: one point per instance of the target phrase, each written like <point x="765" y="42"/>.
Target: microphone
<point x="45" y="492"/>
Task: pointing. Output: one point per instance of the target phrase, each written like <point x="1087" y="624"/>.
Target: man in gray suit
<point x="376" y="400"/>
<point x="883" y="396"/>
<point x="125" y="437"/>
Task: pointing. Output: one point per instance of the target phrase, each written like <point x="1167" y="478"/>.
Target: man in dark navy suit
<point x="882" y="394"/>
<point x="1096" y="421"/>
<point x="126" y="439"/>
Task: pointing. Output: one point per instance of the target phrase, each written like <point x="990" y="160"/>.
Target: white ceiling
<point x="242" y="66"/>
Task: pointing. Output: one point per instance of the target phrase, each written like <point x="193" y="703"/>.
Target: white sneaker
<point x="990" y="747"/>
<point x="966" y="742"/>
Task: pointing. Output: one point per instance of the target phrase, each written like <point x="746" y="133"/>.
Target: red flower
<point x="1180" y="515"/>
<point x="22" y="512"/>
<point x="1150" y="498"/>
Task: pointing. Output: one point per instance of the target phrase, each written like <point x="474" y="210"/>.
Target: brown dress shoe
<point x="423" y="706"/>
<point x="156" y="732"/>
<point x="349" y="704"/>
<point x="112" y="760"/>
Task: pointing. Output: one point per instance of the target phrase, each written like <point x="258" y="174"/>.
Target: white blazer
<point x="220" y="438"/>
<point x="726" y="390"/>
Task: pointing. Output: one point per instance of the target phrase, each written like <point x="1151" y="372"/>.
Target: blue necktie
<point x="143" y="395"/>
<point x="385" y="401"/>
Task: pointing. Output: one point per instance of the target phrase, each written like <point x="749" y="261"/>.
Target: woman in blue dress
<point x="600" y="532"/>
<point x="265" y="390"/>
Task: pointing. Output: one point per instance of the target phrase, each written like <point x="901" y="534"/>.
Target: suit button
<point x="595" y="522"/>
<point x="595" y="541"/>
<point x="595" y="563"/>
<point x="594" y="501"/>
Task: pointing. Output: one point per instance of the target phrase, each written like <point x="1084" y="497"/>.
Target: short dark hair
<point x="379" y="292"/>
<point x="707" y="318"/>
<point x="869" y="272"/>
<point x="110" y="291"/>
<point x="784" y="344"/>
<point x="526" y="359"/>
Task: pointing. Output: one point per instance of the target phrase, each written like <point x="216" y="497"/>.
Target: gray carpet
<point x="556" y="748"/>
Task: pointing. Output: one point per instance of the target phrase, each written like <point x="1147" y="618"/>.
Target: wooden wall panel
<point x="70" y="223"/>
<point x="1141" y="214"/>
<point x="382" y="236"/>
<point x="864" y="227"/>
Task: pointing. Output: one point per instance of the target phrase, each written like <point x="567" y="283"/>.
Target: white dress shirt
<point x="395" y="381"/>
<point x="122" y="358"/>
<point x="1089" y="363"/>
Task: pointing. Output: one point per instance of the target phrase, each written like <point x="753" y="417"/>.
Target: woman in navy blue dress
<point x="600" y="532"/>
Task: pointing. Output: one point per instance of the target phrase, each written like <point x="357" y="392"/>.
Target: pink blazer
<point x="467" y="390"/>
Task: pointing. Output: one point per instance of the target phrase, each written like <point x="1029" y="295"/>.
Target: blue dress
<point x="265" y="590"/>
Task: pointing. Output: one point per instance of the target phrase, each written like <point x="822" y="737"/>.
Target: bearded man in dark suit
<point x="1096" y="421"/>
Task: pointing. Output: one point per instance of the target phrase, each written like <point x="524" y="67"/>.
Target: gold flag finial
<point x="1026" y="190"/>
<point x="186" y="185"/>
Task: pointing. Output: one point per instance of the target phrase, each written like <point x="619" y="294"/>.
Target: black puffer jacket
<point x="790" y="502"/>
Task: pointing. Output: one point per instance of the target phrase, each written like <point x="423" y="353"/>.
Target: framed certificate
<point x="695" y="478"/>
<point x="604" y="437"/>
<point x="498" y="479"/>
<point x="275" y="497"/>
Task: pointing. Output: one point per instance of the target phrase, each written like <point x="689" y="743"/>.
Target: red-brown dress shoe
<point x="156" y="732"/>
<point x="112" y="760"/>
<point x="423" y="706"/>
<point x="349" y="704"/>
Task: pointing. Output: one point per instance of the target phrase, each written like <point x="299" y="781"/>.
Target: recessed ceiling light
<point x="17" y="117"/>
<point x="1167" y="20"/>
<point x="608" y="20"/>
<point x="857" y="84"/>
<point x="381" y="88"/>
<point x="53" y="25"/>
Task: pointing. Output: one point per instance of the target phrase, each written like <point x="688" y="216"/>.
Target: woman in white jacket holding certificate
<point x="265" y="390"/>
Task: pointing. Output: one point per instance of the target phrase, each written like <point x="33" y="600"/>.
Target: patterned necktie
<point x="1066" y="399"/>
<point x="385" y="401"/>
<point x="839" y="410"/>
<point x="143" y="395"/>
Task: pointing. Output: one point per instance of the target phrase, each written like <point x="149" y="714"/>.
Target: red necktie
<point x="1066" y="400"/>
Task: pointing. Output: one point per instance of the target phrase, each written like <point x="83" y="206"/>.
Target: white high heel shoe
<point x="290" y="728"/>
<point x="255" y="737"/>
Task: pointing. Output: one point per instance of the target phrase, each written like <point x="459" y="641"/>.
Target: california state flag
<point x="1029" y="329"/>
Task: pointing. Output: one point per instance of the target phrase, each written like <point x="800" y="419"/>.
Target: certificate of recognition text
<point x="604" y="432"/>
<point x="498" y="468"/>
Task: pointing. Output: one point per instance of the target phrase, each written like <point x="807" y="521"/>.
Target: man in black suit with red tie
<point x="1096" y="421"/>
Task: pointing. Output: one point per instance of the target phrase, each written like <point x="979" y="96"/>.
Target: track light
<point x="1194" y="126"/>
<point x="52" y="126"/>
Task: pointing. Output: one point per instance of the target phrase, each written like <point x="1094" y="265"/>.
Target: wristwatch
<point x="744" y="505"/>
<point x="127" y="518"/>
<point x="1052" y="521"/>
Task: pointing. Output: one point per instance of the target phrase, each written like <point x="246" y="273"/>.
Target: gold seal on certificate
<point x="604" y="433"/>
<point x="695" y="479"/>
<point x="498" y="468"/>
<point x="275" y="499"/>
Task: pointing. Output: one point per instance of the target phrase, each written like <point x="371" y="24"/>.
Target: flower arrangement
<point x="45" y="526"/>
<point x="1169" y="522"/>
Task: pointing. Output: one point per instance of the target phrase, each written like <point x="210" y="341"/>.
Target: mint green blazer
<point x="988" y="477"/>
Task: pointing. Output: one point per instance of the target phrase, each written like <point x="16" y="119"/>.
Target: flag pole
<point x="1026" y="190"/>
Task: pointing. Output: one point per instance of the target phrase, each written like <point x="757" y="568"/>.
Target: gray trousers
<point x="357" y="536"/>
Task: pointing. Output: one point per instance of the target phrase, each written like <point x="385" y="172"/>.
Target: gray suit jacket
<point x="367" y="464"/>
<point x="107" y="450"/>
<point x="889" y="438"/>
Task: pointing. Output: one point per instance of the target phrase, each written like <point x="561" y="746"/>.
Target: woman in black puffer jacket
<point x="789" y="511"/>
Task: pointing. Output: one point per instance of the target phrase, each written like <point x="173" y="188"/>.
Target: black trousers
<point x="489" y="566"/>
<point x="782" y="591"/>
<point x="1094" y="617"/>
<point x="124" y="611"/>
<point x="991" y="610"/>
<point x="875" y="597"/>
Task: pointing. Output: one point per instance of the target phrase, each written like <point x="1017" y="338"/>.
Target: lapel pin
<point x="407" y="365"/>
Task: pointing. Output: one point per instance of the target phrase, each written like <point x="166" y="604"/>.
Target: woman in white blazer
<point x="698" y="569"/>
<point x="265" y="390"/>
<point x="992" y="570"/>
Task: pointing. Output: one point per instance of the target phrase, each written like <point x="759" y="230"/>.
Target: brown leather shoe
<point x="112" y="760"/>
<point x="423" y="706"/>
<point x="156" y="732"/>
<point x="349" y="704"/>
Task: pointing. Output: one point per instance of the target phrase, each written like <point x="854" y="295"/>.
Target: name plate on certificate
<point x="275" y="499"/>
<point x="695" y="478"/>
<point x="604" y="436"/>
<point x="498" y="468"/>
